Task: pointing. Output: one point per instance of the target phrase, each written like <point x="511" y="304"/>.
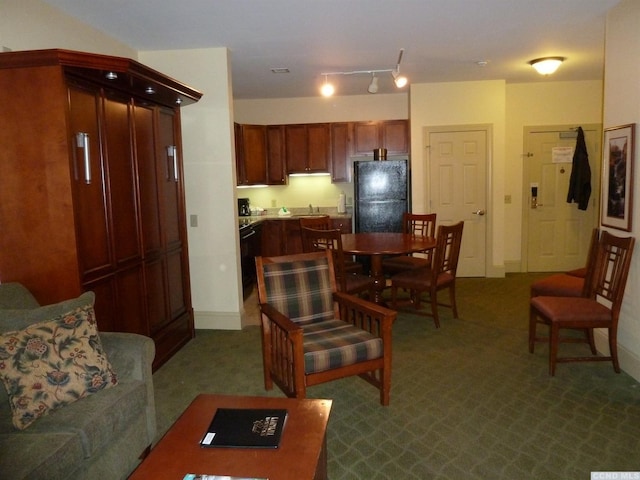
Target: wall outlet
<point x="273" y="202"/>
<point x="193" y="220"/>
<point x="507" y="199"/>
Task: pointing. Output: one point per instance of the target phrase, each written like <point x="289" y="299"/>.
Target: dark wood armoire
<point x="91" y="189"/>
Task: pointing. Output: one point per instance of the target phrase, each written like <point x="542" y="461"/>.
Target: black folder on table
<point x="245" y="428"/>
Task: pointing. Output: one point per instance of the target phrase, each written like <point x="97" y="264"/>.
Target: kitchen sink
<point x="307" y="215"/>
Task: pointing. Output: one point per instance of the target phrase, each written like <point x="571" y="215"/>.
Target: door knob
<point x="480" y="213"/>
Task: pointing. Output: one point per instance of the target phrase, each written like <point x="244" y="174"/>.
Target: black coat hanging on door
<point x="580" y="181"/>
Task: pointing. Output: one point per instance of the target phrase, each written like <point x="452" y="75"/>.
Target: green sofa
<point x="101" y="436"/>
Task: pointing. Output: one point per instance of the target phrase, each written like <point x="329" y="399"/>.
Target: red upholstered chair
<point x="569" y="284"/>
<point x="419" y="224"/>
<point x="440" y="275"/>
<point x="312" y="334"/>
<point x="598" y="308"/>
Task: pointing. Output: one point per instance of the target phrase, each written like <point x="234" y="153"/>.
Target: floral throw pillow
<point x="53" y="363"/>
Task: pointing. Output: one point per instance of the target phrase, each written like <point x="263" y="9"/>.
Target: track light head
<point x="373" y="86"/>
<point x="327" y="89"/>
<point x="399" y="80"/>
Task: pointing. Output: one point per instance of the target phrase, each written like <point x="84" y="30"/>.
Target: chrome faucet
<point x="310" y="208"/>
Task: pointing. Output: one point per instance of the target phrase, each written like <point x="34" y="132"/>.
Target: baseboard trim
<point x="629" y="361"/>
<point x="217" y="320"/>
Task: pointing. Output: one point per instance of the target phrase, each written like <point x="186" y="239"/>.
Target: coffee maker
<point x="244" y="208"/>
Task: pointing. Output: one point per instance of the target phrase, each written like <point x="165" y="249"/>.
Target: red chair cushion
<point x="559" y="285"/>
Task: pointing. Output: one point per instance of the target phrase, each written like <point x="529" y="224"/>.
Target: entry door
<point x="557" y="233"/>
<point x="457" y="189"/>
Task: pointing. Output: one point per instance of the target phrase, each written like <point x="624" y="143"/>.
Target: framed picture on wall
<point x="617" y="177"/>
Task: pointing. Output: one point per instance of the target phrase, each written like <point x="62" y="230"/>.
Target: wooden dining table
<point x="378" y="244"/>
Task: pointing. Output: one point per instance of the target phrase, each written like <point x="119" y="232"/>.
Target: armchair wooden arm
<point x="281" y="348"/>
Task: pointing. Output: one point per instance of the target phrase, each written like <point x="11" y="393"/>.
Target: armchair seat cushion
<point x="333" y="343"/>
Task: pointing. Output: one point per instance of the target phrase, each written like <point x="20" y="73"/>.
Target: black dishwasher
<point x="250" y="234"/>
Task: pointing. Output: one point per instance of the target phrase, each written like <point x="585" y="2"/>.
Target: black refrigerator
<point x="381" y="195"/>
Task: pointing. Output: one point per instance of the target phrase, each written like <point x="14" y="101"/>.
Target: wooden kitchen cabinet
<point x="307" y="147"/>
<point x="390" y="134"/>
<point x="93" y="191"/>
<point x="251" y="154"/>
<point x="284" y="237"/>
<point x="276" y="156"/>
<point x="341" y="152"/>
<point x="344" y="224"/>
<point x="272" y="238"/>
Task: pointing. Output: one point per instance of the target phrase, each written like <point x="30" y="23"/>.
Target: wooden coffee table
<point x="302" y="453"/>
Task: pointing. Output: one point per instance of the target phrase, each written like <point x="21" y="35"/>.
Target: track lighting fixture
<point x="373" y="86"/>
<point x="400" y="81"/>
<point x="546" y="65"/>
<point x="327" y="89"/>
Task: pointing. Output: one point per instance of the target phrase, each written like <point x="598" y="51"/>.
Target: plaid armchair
<point x="312" y="334"/>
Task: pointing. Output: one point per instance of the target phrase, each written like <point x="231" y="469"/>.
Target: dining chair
<point x="419" y="224"/>
<point x="323" y="222"/>
<point x="312" y="334"/>
<point x="598" y="308"/>
<point x="440" y="275"/>
<point x="314" y="240"/>
<point x="572" y="283"/>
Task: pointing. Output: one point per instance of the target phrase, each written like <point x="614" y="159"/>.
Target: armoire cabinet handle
<point x="172" y="152"/>
<point x="82" y="141"/>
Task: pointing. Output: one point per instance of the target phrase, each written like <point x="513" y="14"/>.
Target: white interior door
<point x="557" y="233"/>
<point x="457" y="189"/>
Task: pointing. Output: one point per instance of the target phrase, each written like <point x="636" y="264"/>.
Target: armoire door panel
<point x="130" y="291"/>
<point x="148" y="178"/>
<point x="170" y="189"/>
<point x="156" y="295"/>
<point x="105" y="301"/>
<point x="176" y="283"/>
<point x="118" y="150"/>
<point x="94" y="248"/>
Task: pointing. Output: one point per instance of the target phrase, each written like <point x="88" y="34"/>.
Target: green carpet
<point x="467" y="400"/>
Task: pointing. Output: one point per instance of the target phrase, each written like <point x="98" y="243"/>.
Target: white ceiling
<point x="443" y="39"/>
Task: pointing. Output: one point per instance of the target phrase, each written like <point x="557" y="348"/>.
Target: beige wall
<point x="34" y="25"/>
<point x="622" y="107"/>
<point x="320" y="109"/>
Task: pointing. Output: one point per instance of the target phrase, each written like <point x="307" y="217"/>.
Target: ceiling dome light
<point x="373" y="86"/>
<point x="546" y="65"/>
<point x="327" y="89"/>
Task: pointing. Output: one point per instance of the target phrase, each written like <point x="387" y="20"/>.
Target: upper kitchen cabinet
<point x="251" y="154"/>
<point x="341" y="152"/>
<point x="307" y="147"/>
<point x="390" y="134"/>
<point x="276" y="156"/>
<point x="92" y="189"/>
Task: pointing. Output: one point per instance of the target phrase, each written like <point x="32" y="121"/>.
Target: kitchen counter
<point x="296" y="213"/>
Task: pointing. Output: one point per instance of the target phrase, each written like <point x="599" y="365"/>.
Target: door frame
<point x="526" y="130"/>
<point x="487" y="128"/>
